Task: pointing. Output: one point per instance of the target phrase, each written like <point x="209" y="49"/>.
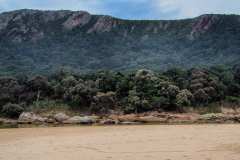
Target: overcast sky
<point x="131" y="9"/>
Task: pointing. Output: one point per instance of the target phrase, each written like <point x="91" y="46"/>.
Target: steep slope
<point x="36" y="41"/>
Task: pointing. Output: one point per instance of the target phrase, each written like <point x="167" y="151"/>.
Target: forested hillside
<point x="41" y="42"/>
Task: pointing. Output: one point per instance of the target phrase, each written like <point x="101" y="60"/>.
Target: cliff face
<point x="43" y="41"/>
<point x="27" y="25"/>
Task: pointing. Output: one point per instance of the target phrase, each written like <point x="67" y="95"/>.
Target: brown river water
<point x="142" y="142"/>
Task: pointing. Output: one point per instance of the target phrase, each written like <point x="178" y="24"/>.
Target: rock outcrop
<point x="77" y="19"/>
<point x="30" y="117"/>
<point x="81" y="120"/>
<point x="152" y="119"/>
<point x="203" y="24"/>
<point x="61" y="117"/>
<point x="103" y="24"/>
<point x="130" y="119"/>
<point x="219" y="118"/>
<point x="109" y="122"/>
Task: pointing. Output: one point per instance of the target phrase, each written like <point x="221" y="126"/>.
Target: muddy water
<point x="147" y="142"/>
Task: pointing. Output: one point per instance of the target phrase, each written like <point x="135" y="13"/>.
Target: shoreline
<point x="29" y="126"/>
<point x="29" y="119"/>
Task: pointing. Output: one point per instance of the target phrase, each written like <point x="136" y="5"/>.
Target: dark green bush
<point x="233" y="100"/>
<point x="132" y="92"/>
<point x="12" y="110"/>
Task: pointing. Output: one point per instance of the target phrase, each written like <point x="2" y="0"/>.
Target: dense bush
<point x="103" y="102"/>
<point x="12" y="110"/>
<point x="233" y="100"/>
<point x="132" y="92"/>
<point x="9" y="90"/>
<point x="184" y="98"/>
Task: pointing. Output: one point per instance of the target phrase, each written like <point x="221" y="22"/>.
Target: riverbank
<point x="61" y="119"/>
<point x="163" y="142"/>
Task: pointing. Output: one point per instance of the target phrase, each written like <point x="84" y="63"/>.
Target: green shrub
<point x="234" y="100"/>
<point x="103" y="102"/>
<point x="160" y="102"/>
<point x="184" y="98"/>
<point x="47" y="105"/>
<point x="12" y="110"/>
<point x="210" y="108"/>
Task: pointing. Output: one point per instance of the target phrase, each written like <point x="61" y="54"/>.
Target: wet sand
<point x="149" y="142"/>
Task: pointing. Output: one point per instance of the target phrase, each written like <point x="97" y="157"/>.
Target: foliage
<point x="132" y="92"/>
<point x="47" y="106"/>
<point x="184" y="98"/>
<point x="103" y="102"/>
<point x="233" y="100"/>
<point x="9" y="90"/>
<point x="38" y="43"/>
<point x="80" y="95"/>
<point x="12" y="110"/>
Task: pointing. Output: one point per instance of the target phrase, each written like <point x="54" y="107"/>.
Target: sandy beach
<point x="143" y="142"/>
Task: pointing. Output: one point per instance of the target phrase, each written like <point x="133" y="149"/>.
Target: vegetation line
<point x="106" y="92"/>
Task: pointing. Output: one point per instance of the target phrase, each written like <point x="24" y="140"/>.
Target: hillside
<point x="34" y="41"/>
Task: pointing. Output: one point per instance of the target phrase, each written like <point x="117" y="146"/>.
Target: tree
<point x="184" y="98"/>
<point x="169" y="92"/>
<point x="64" y="85"/>
<point x="201" y="97"/>
<point x="145" y="84"/>
<point x="133" y="103"/>
<point x="178" y="76"/>
<point x="103" y="102"/>
<point x="69" y="81"/>
<point x="106" y="81"/>
<point x="80" y="95"/>
<point x="37" y="88"/>
<point x="237" y="73"/>
<point x="206" y="87"/>
<point x="124" y="84"/>
<point x="136" y="104"/>
<point x="9" y="90"/>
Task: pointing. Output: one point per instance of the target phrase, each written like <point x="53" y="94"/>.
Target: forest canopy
<point x="132" y="92"/>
